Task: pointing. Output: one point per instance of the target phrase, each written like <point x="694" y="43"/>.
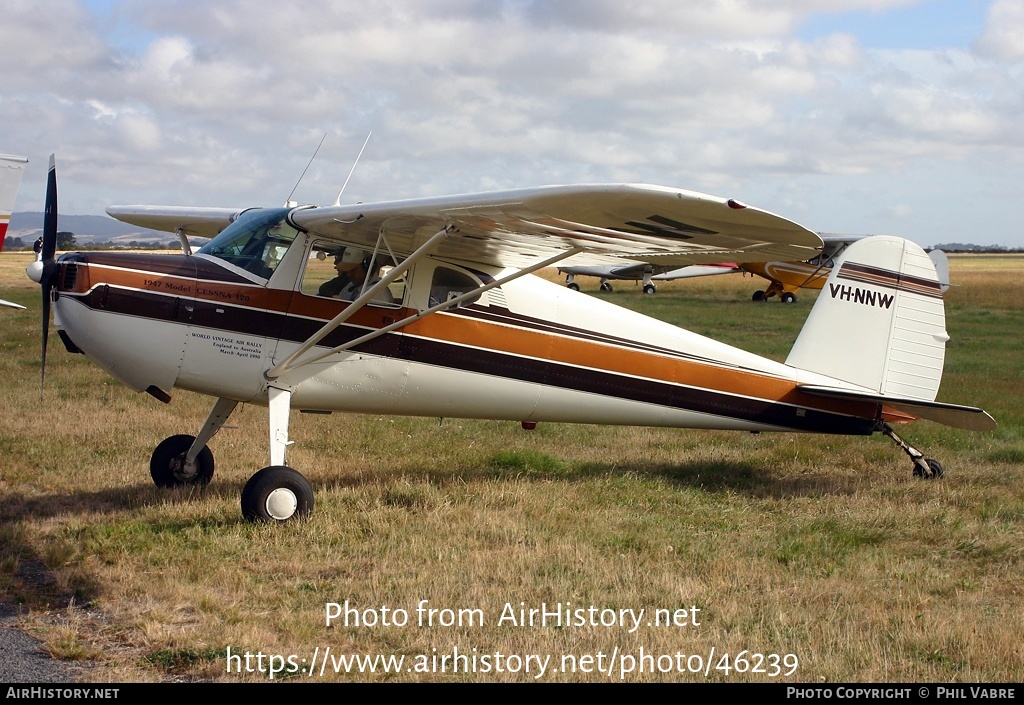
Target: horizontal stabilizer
<point x="966" y="417"/>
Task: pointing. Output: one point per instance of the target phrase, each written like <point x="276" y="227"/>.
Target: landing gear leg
<point x="570" y="281"/>
<point x="277" y="493"/>
<point x="649" y="287"/>
<point x="926" y="468"/>
<point x="185" y="460"/>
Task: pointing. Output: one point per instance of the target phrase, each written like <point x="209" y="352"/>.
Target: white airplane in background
<point x="456" y="326"/>
<point x="646" y="273"/>
<point x="11" y="168"/>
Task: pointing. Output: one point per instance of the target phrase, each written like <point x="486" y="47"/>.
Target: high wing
<point x="195" y="222"/>
<point x="611" y="224"/>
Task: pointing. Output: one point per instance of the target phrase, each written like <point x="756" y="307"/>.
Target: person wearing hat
<point x="352" y="267"/>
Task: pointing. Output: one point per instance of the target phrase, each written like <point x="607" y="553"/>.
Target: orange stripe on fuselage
<point x="608" y="357"/>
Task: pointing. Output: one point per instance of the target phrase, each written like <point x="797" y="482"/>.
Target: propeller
<point x="44" y="271"/>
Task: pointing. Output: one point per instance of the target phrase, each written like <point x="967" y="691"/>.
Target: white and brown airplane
<point x="11" y="168"/>
<point x="450" y="322"/>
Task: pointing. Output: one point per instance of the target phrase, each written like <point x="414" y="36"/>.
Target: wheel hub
<point x="282" y="503"/>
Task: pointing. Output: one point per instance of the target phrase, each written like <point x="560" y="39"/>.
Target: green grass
<point x="822" y="547"/>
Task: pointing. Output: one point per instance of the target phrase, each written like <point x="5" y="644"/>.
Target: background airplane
<point x="11" y="168"/>
<point x="646" y="273"/>
<point x="467" y="331"/>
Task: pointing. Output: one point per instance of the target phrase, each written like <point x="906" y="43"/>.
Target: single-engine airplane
<point x="11" y="168"/>
<point x="455" y="326"/>
<point x="645" y="272"/>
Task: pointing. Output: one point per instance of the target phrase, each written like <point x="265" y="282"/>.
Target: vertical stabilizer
<point x="10" y="179"/>
<point x="879" y="321"/>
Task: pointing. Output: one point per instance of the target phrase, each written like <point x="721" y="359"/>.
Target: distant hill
<point x="88" y="229"/>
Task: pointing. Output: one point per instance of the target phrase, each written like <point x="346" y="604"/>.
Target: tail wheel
<point x="168" y="468"/>
<point x="927" y="468"/>
<point x="277" y="494"/>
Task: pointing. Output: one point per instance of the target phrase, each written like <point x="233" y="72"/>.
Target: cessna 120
<point x="454" y="326"/>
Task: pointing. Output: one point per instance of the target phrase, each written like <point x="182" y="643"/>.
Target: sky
<point x="849" y="116"/>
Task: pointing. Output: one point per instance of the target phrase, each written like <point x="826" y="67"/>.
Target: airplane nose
<point x="35" y="271"/>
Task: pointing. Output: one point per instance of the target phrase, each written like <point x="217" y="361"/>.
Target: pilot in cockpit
<point x="353" y="267"/>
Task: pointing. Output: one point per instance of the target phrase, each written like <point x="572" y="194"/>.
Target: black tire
<point x="758" y="296"/>
<point x="277" y="494"/>
<point x="167" y="464"/>
<point x="606" y="287"/>
<point x="574" y="286"/>
<point x="788" y="298"/>
<point x="650" y="289"/>
<point x="936" y="468"/>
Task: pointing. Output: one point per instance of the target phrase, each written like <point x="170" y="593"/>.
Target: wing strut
<point x="186" y="248"/>
<point x="364" y="298"/>
<point x="292" y="363"/>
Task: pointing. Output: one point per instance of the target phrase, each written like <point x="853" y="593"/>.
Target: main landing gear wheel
<point x="650" y="289"/>
<point x="277" y="494"/>
<point x="758" y="296"/>
<point x="574" y="286"/>
<point x="606" y="287"/>
<point x="788" y="298"/>
<point x="167" y="464"/>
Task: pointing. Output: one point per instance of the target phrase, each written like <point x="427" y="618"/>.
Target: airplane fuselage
<point x="527" y="351"/>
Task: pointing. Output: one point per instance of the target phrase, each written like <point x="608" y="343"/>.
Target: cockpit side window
<point x="256" y="242"/>
<point x="340" y="272"/>
<point x="448" y="283"/>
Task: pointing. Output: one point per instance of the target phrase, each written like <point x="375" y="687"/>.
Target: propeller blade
<point x="49" y="273"/>
<point x="50" y="214"/>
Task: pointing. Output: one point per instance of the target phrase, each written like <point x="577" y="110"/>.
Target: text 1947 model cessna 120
<point x="454" y="326"/>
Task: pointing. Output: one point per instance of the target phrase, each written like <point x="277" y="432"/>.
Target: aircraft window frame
<point x="318" y="270"/>
<point x="461" y="281"/>
<point x="256" y="242"/>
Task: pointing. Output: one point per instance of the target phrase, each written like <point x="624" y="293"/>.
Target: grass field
<point x="769" y="554"/>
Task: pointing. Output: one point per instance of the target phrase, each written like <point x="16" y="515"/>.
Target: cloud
<point x="222" y="103"/>
<point x="1003" y="37"/>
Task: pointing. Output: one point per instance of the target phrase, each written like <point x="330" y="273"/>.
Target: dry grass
<point x="821" y="547"/>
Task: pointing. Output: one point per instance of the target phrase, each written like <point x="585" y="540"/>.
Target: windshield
<point x="256" y="242"/>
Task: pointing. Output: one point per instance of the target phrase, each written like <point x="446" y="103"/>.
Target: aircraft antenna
<point x="315" y="151"/>
<point x="337" y="201"/>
